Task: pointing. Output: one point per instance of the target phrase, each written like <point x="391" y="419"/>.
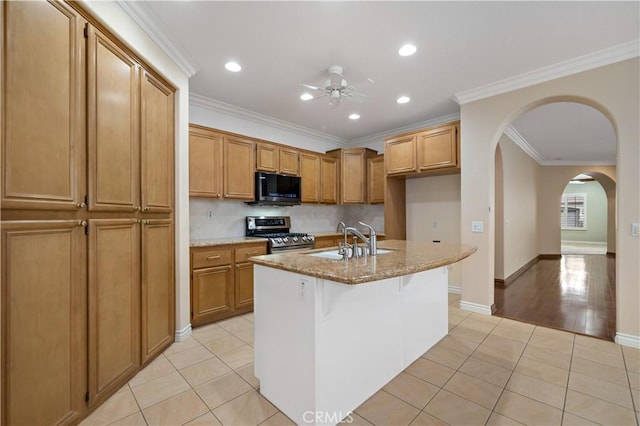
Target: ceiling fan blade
<point x="364" y="83"/>
<point x="308" y="86"/>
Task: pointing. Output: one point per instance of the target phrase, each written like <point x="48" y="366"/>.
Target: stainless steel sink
<point x="333" y="254"/>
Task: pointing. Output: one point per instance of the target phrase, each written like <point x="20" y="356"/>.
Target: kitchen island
<point x="331" y="333"/>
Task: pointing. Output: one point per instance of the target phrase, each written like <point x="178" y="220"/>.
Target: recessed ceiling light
<point x="233" y="66"/>
<point x="354" y="116"/>
<point x="306" y="96"/>
<point x="403" y="99"/>
<point x="407" y="50"/>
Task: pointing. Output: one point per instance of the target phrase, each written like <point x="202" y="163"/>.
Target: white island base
<point x="322" y="348"/>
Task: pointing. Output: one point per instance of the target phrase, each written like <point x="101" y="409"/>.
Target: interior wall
<point x="607" y="89"/>
<point x="433" y="213"/>
<point x="596" y="214"/>
<point x="520" y="205"/>
<point x="499" y="215"/>
<point x="114" y="17"/>
<point x="553" y="180"/>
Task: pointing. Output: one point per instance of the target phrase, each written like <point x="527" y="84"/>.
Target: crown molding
<point x="621" y="52"/>
<point x="519" y="140"/>
<point x="142" y="14"/>
<point x="256" y="117"/>
<point x="378" y="137"/>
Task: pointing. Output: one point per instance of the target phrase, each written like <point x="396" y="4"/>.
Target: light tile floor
<point x="488" y="370"/>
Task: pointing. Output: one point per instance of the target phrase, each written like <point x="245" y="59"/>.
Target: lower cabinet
<point x="44" y="322"/>
<point x="80" y="313"/>
<point x="222" y="281"/>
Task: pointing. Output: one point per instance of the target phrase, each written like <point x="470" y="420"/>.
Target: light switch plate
<point x="635" y="229"/>
<point x="477" y="226"/>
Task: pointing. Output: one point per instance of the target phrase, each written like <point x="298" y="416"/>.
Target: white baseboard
<point x="455" y="289"/>
<point x="183" y="334"/>
<point x="627" y="340"/>
<point x="475" y="307"/>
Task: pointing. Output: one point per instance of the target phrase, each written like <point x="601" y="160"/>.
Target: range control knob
<point x="294" y="239"/>
<point x="278" y="240"/>
<point x="285" y="239"/>
<point x="304" y="238"/>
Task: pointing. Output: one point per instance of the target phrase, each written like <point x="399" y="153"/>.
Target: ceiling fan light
<point x="354" y="116"/>
<point x="407" y="50"/>
<point x="403" y="99"/>
<point x="306" y="96"/>
<point x="233" y="66"/>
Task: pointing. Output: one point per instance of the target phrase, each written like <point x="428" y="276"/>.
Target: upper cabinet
<point x="435" y="149"/>
<point x="353" y="173"/>
<point x="310" y="177"/>
<point x="329" y="178"/>
<point x="44" y="110"/>
<point x="205" y="162"/>
<point x="277" y="159"/>
<point x="113" y="126"/>
<point x="375" y="180"/>
<point x="239" y="175"/>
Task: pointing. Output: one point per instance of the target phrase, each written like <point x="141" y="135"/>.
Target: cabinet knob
<point x="82" y="223"/>
<point x="137" y="208"/>
<point x="146" y="209"/>
<point x="81" y="205"/>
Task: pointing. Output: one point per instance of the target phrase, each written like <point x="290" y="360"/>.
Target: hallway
<point x="574" y="293"/>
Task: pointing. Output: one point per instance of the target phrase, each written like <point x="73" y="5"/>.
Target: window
<point x="573" y="211"/>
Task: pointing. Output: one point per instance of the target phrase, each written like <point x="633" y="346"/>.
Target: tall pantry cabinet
<point x="87" y="245"/>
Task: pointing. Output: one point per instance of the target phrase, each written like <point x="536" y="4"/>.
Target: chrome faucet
<point x="356" y="251"/>
<point x="373" y="239"/>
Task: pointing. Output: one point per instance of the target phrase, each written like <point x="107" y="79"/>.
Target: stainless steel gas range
<point x="276" y="230"/>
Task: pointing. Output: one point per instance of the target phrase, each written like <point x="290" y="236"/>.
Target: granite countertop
<point x="229" y="240"/>
<point x="408" y="257"/>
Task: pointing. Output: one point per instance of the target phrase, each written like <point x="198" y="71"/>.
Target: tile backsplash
<point x="223" y="219"/>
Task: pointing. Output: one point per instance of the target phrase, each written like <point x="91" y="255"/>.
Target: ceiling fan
<point x="336" y="87"/>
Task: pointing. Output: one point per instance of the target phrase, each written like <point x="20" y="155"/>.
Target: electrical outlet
<point x="635" y="229"/>
<point x="303" y="288"/>
<point x="477" y="226"/>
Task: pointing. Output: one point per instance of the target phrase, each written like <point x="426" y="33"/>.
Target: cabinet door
<point x="43" y="322"/>
<point x="211" y="294"/>
<point x="238" y="168"/>
<point x="158" y="287"/>
<point x="375" y="181"/>
<point x="353" y="190"/>
<point x="267" y="157"/>
<point x="400" y="155"/>
<point x="113" y="131"/>
<point x="289" y="162"/>
<point x="205" y="163"/>
<point x="329" y="179"/>
<point x="437" y="148"/>
<point x="310" y="177"/>
<point x="244" y="285"/>
<point x="114" y="304"/>
<point x="156" y="145"/>
<point x="43" y="139"/>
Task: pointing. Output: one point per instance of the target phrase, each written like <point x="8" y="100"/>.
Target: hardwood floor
<point x="574" y="293"/>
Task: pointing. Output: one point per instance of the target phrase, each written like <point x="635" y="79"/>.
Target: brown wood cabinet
<point x="205" y="162"/>
<point x="429" y="151"/>
<point x="43" y="141"/>
<point x="353" y="174"/>
<point x="114" y="304"/>
<point x="222" y="281"/>
<point x="310" y="177"/>
<point x="375" y="179"/>
<point x="44" y="322"/>
<point x="158" y="297"/>
<point x="329" y="179"/>
<point x="87" y="293"/>
<point x="277" y="159"/>
<point x="239" y="168"/>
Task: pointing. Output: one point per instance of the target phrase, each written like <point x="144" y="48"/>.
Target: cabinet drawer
<point x="207" y="258"/>
<point x="244" y="253"/>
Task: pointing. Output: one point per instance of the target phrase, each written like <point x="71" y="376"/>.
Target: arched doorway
<point x="533" y="282"/>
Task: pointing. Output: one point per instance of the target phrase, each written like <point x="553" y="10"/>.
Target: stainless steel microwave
<point x="275" y="189"/>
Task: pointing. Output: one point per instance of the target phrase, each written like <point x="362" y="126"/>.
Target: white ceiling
<point x="464" y="48"/>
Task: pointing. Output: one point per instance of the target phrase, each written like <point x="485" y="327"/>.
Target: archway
<point x="519" y="226"/>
